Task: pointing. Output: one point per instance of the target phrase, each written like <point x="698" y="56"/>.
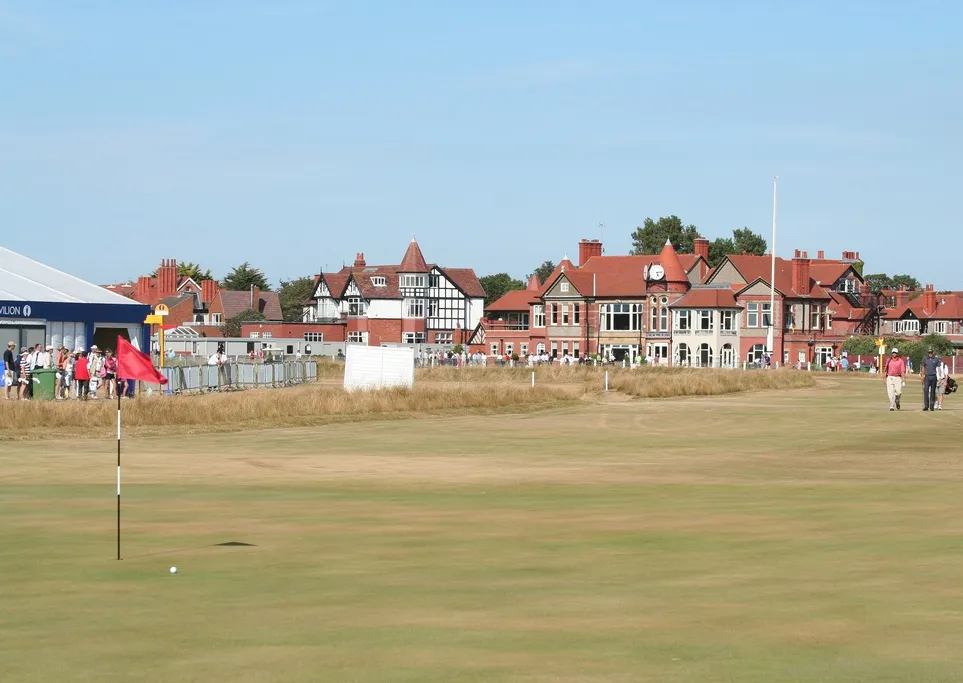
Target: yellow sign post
<point x="160" y="311"/>
<point x="881" y="348"/>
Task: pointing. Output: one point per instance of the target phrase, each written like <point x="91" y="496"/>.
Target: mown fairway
<point x="806" y="535"/>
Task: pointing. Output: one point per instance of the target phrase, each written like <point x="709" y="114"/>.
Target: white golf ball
<point x="173" y="570"/>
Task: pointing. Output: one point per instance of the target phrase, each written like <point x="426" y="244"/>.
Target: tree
<point x="914" y="349"/>
<point x="878" y="282"/>
<point x="909" y="281"/>
<point x="232" y="328"/>
<point x="650" y="237"/>
<point x="191" y="270"/>
<point x="243" y="277"/>
<point x="497" y="285"/>
<point x="543" y="271"/>
<point x="293" y="294"/>
<point x="748" y="242"/>
<point x="719" y="248"/>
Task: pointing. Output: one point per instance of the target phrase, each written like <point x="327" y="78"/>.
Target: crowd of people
<point x="79" y="374"/>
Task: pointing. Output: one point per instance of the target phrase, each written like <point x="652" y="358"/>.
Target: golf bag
<point x="951" y="385"/>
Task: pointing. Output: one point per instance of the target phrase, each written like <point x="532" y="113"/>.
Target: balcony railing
<point x="728" y="333"/>
<point x="507" y="327"/>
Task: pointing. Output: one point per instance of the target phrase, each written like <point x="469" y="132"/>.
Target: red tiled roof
<point x="466" y="280"/>
<point x="234" y="302"/>
<point x="948" y="307"/>
<point x="414" y="260"/>
<point x="516" y="300"/>
<point x="757" y="269"/>
<point x="614" y="276"/>
<point x="707" y="298"/>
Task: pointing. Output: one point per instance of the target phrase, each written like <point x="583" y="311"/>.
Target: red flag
<point x="134" y="364"/>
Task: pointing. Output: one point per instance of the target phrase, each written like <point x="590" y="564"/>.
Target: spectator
<point x="10" y="378"/>
<point x="82" y="373"/>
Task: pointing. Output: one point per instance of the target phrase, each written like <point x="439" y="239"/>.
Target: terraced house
<point x="673" y="309"/>
<point x="413" y="302"/>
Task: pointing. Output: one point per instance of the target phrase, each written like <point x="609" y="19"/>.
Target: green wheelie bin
<point x="44" y="384"/>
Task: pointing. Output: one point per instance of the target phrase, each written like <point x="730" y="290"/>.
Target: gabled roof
<point x="23" y="279"/>
<point x="707" y="297"/>
<point x="755" y="269"/>
<point x="234" y="302"/>
<point x="948" y="307"/>
<point x="466" y="280"/>
<point x="414" y="260"/>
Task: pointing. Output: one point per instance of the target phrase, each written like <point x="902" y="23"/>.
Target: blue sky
<point x="294" y="134"/>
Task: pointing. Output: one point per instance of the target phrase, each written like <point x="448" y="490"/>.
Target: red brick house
<point x="931" y="312"/>
<point x="413" y="302"/>
<point x="819" y="303"/>
<point x="618" y="306"/>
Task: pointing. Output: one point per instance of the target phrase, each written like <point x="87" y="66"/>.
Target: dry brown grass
<point x="437" y="391"/>
<point x="313" y="404"/>
<point x="669" y="382"/>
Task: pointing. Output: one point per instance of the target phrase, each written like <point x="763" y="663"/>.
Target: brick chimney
<point x="167" y="278"/>
<point x="208" y="290"/>
<point x="142" y="289"/>
<point x="797" y="254"/>
<point x="587" y="249"/>
<point x="256" y="299"/>
<point x="701" y="247"/>
<point x="902" y="296"/>
<point x="820" y="255"/>
<point x="929" y="299"/>
<point x="800" y="273"/>
<point x="359" y="260"/>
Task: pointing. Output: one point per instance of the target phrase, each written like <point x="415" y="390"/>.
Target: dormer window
<point x="563" y="288"/>
<point x="379" y="281"/>
<point x="412" y="280"/>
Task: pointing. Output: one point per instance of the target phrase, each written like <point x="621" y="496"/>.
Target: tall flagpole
<point x="772" y="278"/>
<point x="118" y="475"/>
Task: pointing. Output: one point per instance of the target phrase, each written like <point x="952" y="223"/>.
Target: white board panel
<point x="378" y="367"/>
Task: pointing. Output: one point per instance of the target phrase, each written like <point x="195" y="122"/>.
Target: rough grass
<point x="669" y="382"/>
<point x="437" y="391"/>
<point x="305" y="405"/>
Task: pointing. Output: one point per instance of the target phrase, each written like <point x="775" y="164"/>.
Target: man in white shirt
<point x="942" y="374"/>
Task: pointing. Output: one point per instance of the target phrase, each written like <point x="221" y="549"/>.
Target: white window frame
<point x="752" y="314"/>
<point x="357" y="304"/>
<point x="255" y="335"/>
<point x="607" y="313"/>
<point x="493" y="348"/>
<point x="413" y="308"/>
<point x="563" y="287"/>
<point x="413" y="338"/>
<point x="523" y="349"/>
<point x="765" y="317"/>
<point x="216" y="317"/>
<point x="941" y="327"/>
<point x="509" y="348"/>
<point x="728" y="321"/>
<point x="540" y="348"/>
<point x="576" y="349"/>
<point x="357" y="337"/>
<point x="683" y="320"/>
<point x="538" y="314"/>
<point x="267" y="335"/>
<point x="314" y="336"/>
<point x="413" y="281"/>
<point x="706" y="322"/>
<point x="379" y="281"/>
<point x="911" y="326"/>
<point x="443" y="337"/>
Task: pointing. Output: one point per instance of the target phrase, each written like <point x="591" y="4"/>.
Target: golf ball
<point x="173" y="570"/>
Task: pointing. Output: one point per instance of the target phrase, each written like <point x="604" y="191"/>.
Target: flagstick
<point x="118" y="475"/>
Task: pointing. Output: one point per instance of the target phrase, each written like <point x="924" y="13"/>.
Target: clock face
<point x="656" y="272"/>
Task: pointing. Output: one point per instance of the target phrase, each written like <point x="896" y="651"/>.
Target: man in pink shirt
<point x="894" y="374"/>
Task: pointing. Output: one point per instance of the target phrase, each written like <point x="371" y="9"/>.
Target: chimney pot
<point x="820" y="255"/>
<point x="587" y="249"/>
<point x="800" y="274"/>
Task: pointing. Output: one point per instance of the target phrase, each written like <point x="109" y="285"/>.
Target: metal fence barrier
<point x="234" y="376"/>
